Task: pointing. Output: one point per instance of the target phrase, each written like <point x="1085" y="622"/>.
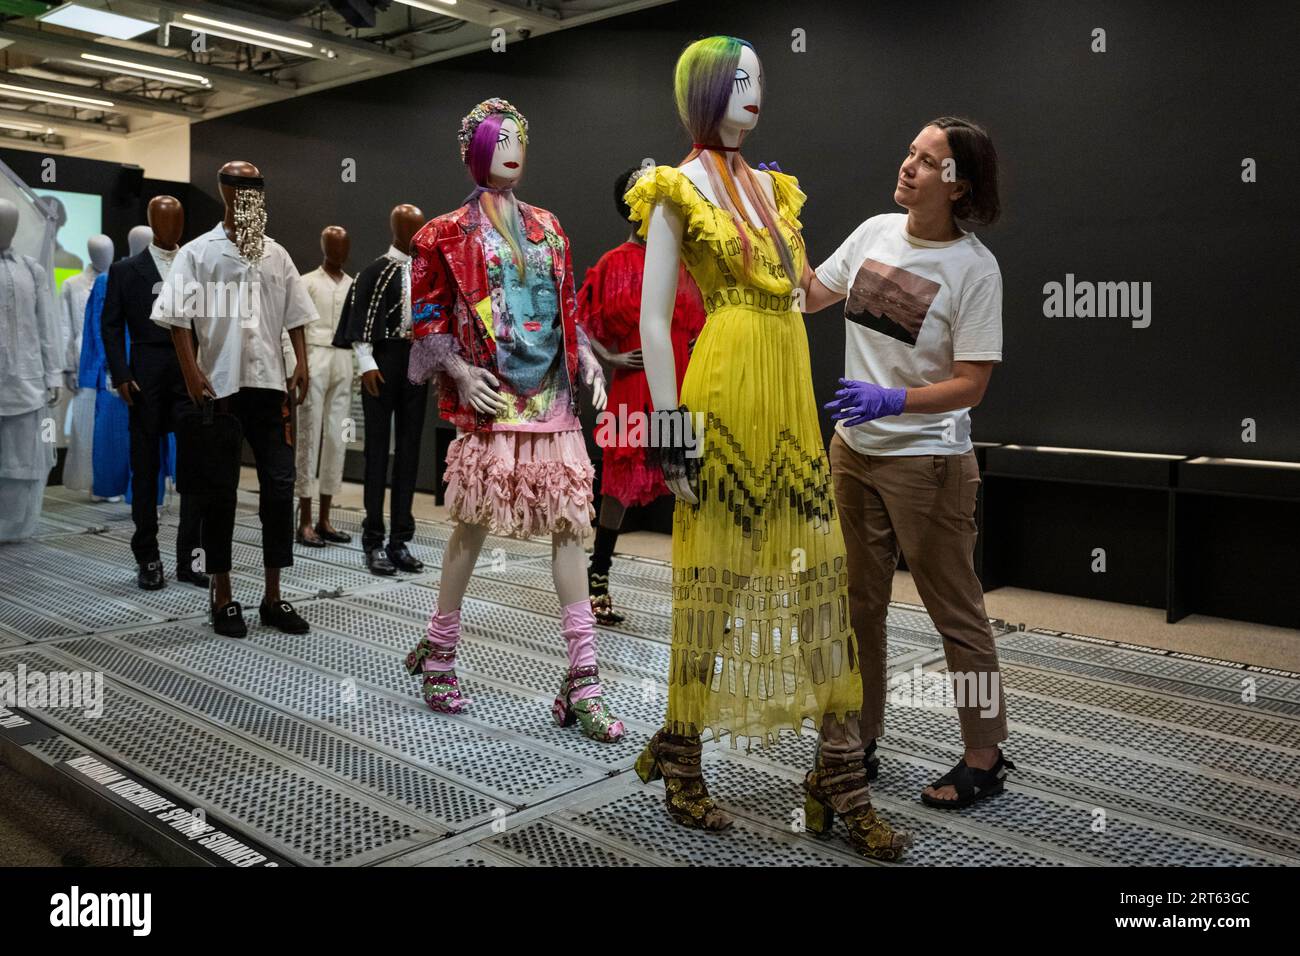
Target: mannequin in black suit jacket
<point x="376" y="324"/>
<point x="150" y="382"/>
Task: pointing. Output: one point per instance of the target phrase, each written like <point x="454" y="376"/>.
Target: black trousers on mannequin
<point x="263" y="415"/>
<point x="157" y="371"/>
<point x="404" y="404"/>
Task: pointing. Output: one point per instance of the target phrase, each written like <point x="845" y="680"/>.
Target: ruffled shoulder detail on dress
<point x="789" y="197"/>
<point x="669" y="184"/>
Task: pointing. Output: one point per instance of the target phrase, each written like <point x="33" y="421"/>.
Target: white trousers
<point x="26" y="457"/>
<point x="322" y="419"/>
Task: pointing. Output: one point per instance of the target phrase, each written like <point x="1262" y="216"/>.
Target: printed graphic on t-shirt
<point x="890" y="300"/>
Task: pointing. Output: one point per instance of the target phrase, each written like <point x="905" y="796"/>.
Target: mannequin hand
<point x="630" y="359"/>
<point x="52" y="395"/>
<point x="70" y="381"/>
<point x="297" y="384"/>
<point x="859" y="402"/>
<point x="371" y="381"/>
<point x="675" y="435"/>
<point x="598" y="396"/>
<point x="199" y="388"/>
<point x="478" y="388"/>
<point x="125" y="389"/>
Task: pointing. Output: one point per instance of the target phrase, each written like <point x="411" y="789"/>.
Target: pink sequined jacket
<point x="449" y="293"/>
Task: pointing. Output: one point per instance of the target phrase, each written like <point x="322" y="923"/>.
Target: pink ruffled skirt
<point x="521" y="484"/>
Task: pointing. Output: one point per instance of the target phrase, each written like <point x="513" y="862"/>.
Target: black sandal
<point x="971" y="784"/>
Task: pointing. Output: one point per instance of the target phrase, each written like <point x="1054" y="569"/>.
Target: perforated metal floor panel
<point x="318" y="747"/>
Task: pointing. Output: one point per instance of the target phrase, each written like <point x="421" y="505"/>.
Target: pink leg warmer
<point x="444" y="634"/>
<point x="579" y="631"/>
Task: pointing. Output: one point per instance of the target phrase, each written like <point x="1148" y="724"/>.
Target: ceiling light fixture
<point x="139" y="69"/>
<point x="62" y="99"/>
<point x="26" y="127"/>
<point x="233" y="31"/>
<point x="99" y="22"/>
<point x="425" y="5"/>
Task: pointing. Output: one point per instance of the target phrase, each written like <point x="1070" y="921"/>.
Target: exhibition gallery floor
<point x="319" y="749"/>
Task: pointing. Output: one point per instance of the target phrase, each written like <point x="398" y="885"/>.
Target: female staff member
<point x="924" y="329"/>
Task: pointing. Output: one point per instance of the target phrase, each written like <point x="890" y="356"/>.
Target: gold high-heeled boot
<point x="677" y="760"/>
<point x="842" y="790"/>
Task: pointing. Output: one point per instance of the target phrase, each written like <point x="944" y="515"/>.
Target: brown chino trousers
<point x="925" y="506"/>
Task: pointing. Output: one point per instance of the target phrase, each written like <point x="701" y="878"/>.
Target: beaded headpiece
<point x="481" y="112"/>
<point x="249" y="213"/>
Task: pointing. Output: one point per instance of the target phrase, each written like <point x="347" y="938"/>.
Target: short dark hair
<point x="621" y="186"/>
<point x="977" y="163"/>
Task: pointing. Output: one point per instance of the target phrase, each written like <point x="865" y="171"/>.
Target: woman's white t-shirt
<point x="912" y="308"/>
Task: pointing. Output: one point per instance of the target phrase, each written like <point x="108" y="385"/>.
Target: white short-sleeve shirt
<point x="913" y="307"/>
<point x="238" y="310"/>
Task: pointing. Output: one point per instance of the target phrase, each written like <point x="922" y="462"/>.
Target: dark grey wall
<point x="1117" y="166"/>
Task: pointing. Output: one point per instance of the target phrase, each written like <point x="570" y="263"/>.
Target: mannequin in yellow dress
<point x="761" y="633"/>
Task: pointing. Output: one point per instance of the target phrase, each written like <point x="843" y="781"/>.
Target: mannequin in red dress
<point x="609" y="306"/>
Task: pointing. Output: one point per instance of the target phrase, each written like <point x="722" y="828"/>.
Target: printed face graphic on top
<point x="742" y="108"/>
<point x="890" y="300"/>
<point x="508" y="160"/>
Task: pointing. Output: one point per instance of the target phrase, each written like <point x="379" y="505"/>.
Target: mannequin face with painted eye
<point x="746" y="93"/>
<point x="508" y="159"/>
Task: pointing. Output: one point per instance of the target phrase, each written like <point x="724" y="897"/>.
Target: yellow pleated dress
<point x="761" y="639"/>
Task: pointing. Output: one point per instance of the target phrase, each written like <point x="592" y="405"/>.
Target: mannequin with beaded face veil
<point x="495" y="308"/>
<point x="148" y="379"/>
<point x="749" y="386"/>
<point x="31" y="373"/>
<point x="229" y="349"/>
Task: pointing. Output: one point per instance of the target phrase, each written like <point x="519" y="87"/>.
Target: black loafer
<point x="402" y="559"/>
<point x="378" y="563"/>
<point x="228" y="620"/>
<point x="281" y="616"/>
<point x="150" y="576"/>
<point x="338" y="537"/>
<point x="196" y="578"/>
<point x="306" y="542"/>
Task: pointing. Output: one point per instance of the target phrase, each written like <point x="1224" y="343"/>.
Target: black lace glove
<point x="676" y="450"/>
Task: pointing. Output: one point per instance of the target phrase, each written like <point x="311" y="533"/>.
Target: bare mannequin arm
<point x="658" y="296"/>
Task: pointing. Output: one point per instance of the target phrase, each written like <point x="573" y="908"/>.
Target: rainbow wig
<point x="702" y="85"/>
<point x="498" y="205"/>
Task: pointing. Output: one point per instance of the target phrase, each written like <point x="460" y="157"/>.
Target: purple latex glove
<point x="858" y="402"/>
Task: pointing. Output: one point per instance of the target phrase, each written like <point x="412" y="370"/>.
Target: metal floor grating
<point x="318" y="746"/>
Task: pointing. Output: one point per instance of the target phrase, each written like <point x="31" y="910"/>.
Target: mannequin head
<point x="8" y="223"/>
<point x="719" y="88"/>
<point x="969" y="192"/>
<point x="622" y="183"/>
<point x="334" y="248"/>
<point x="100" y="249"/>
<point x="718" y="85"/>
<point x="404" y="222"/>
<point x="138" y="239"/>
<point x="166" y="220"/>
<point x="493" y="139"/>
<point x="245" y="220"/>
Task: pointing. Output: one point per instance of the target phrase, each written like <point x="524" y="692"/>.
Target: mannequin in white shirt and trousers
<point x="78" y="470"/>
<point x="320" y="443"/>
